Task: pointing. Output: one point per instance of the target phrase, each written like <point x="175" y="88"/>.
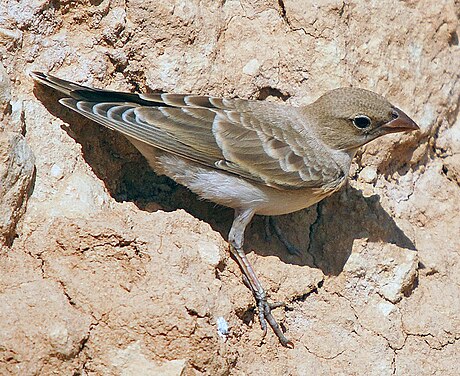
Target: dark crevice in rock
<point x="268" y="91"/>
<point x="64" y="291"/>
<point x="312" y="229"/>
<point x="453" y="40"/>
<point x="282" y="12"/>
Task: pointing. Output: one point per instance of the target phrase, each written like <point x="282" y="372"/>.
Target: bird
<point x="256" y="157"/>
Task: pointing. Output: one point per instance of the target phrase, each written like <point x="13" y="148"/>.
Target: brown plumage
<point x="253" y="156"/>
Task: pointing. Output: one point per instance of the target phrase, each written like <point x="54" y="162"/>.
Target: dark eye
<point x="361" y="121"/>
<point x="394" y="114"/>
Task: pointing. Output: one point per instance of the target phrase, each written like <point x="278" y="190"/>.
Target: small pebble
<point x="222" y="327"/>
<point x="369" y="174"/>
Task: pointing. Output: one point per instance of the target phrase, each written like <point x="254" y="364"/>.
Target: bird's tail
<point x="84" y="93"/>
<point x="65" y="87"/>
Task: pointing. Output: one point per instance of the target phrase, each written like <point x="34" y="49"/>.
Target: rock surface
<point x="108" y="269"/>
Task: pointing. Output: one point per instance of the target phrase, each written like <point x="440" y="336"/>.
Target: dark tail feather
<point x="79" y="92"/>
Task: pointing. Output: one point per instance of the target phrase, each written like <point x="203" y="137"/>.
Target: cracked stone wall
<point x="108" y="269"/>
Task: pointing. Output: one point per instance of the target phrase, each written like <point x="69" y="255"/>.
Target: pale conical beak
<point x="401" y="123"/>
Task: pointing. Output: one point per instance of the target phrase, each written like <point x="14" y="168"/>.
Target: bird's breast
<point x="288" y="201"/>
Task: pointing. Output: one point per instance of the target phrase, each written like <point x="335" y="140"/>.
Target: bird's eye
<point x="394" y="114"/>
<point x="361" y="121"/>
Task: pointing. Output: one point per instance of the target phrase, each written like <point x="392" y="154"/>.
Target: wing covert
<point x="257" y="140"/>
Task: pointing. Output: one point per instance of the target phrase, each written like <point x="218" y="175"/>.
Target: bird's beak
<point x="401" y="123"/>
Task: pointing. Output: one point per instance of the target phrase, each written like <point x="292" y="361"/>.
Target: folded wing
<point x="253" y="139"/>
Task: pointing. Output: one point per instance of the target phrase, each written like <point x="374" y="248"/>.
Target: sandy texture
<point x="108" y="269"/>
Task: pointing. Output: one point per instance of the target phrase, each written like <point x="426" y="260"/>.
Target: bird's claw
<point x="265" y="315"/>
<point x="277" y="305"/>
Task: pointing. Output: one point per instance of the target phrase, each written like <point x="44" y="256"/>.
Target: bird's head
<point x="348" y="118"/>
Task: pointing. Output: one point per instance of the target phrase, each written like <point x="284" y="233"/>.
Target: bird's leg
<point x="292" y="249"/>
<point x="236" y="240"/>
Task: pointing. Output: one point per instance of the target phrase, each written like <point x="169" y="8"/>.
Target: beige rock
<point x="102" y="273"/>
<point x="393" y="274"/>
<point x="16" y="174"/>
<point x="5" y="89"/>
<point x="16" y="164"/>
<point x="40" y="331"/>
<point x="368" y="174"/>
<point x="132" y="362"/>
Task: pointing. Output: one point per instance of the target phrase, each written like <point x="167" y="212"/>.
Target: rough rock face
<point x="16" y="162"/>
<point x="108" y="269"/>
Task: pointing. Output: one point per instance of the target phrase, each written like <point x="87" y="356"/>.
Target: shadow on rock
<point x="347" y="216"/>
<point x="324" y="232"/>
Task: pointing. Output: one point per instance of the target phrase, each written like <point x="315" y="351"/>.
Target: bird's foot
<point x="265" y="315"/>
<point x="272" y="223"/>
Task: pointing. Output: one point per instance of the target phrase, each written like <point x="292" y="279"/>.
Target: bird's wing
<point x="256" y="140"/>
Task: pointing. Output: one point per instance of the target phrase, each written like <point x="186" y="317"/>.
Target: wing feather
<point x="259" y="141"/>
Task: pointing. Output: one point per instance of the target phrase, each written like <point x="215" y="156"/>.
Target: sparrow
<point x="256" y="157"/>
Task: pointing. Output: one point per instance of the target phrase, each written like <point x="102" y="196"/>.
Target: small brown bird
<point x="253" y="156"/>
